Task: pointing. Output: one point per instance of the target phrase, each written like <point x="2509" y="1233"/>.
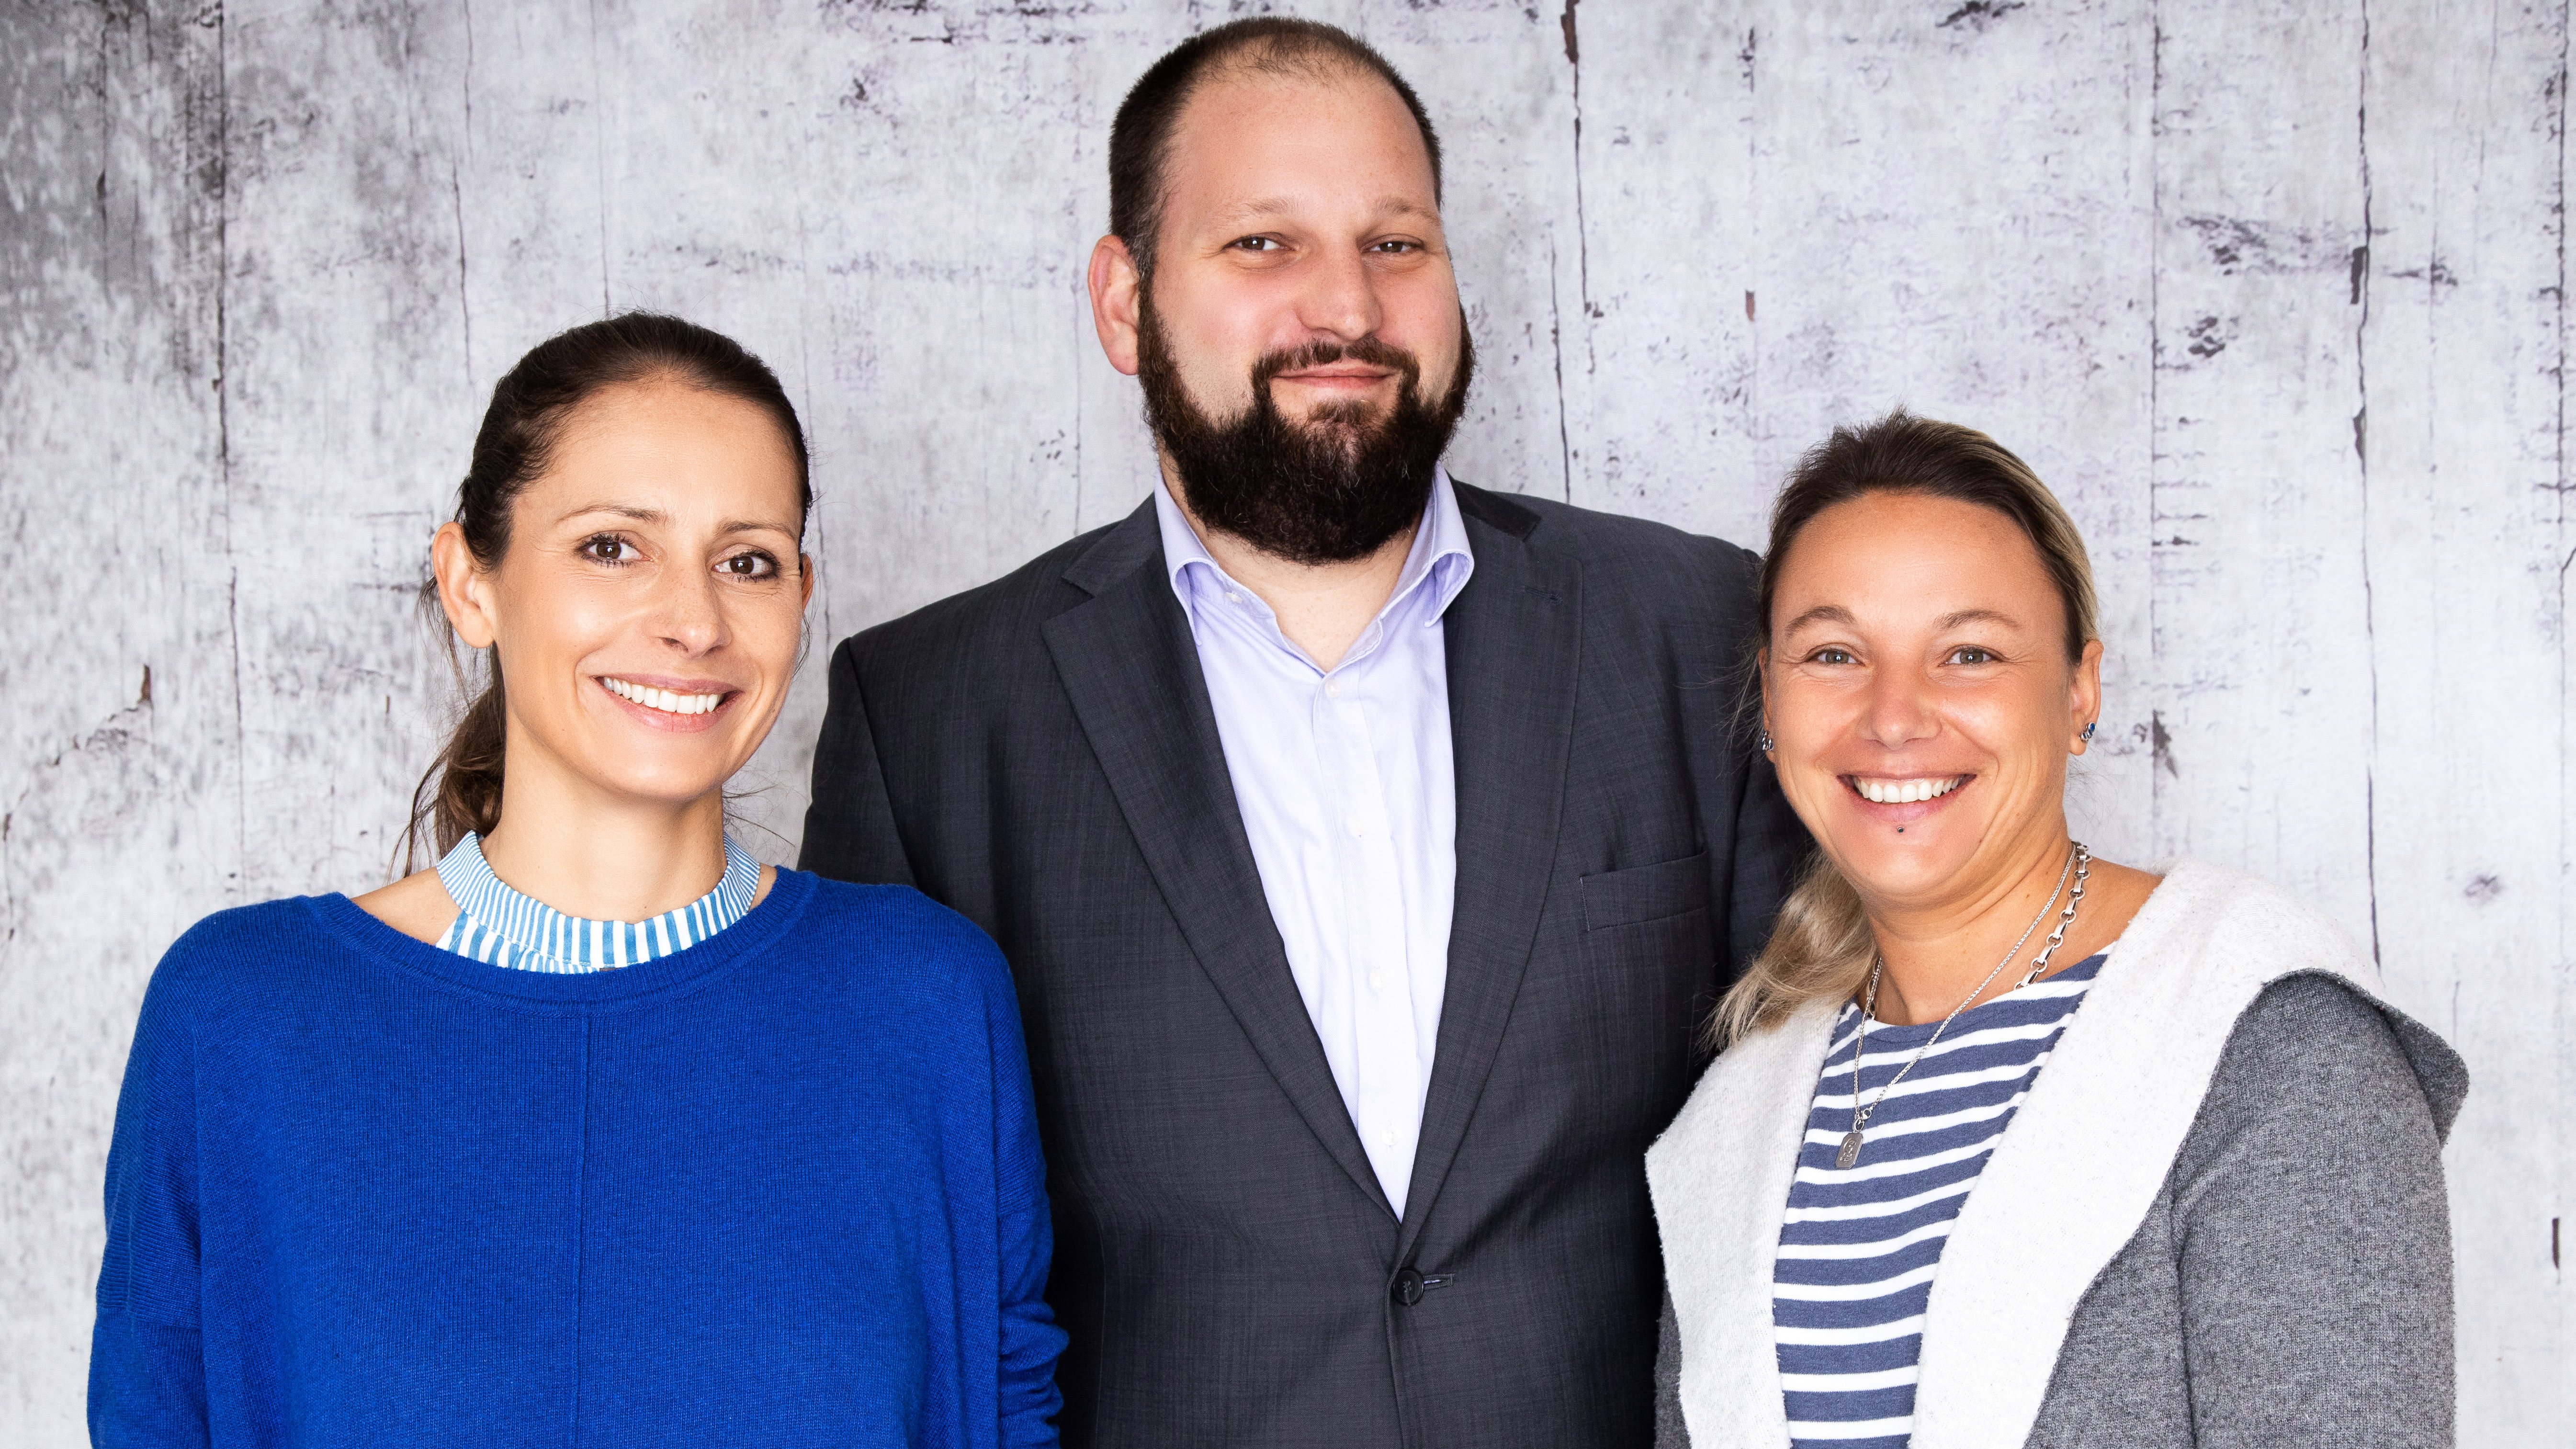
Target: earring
<point x="1762" y="741"/>
<point x="2089" y="727"/>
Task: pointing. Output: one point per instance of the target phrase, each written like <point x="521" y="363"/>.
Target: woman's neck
<point x="604" y="859"/>
<point x="1937" y="952"/>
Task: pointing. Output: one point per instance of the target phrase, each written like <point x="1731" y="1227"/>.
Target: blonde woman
<point x="2009" y="1144"/>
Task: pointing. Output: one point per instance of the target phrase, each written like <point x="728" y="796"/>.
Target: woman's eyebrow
<point x="1821" y="614"/>
<point x="621" y="510"/>
<point x="655" y="515"/>
<point x="1978" y="616"/>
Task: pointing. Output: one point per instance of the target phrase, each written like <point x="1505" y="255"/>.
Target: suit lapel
<point x="1513" y="639"/>
<point x="1127" y="664"/>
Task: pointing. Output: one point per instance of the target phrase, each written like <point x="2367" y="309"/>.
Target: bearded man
<point x="1368" y="847"/>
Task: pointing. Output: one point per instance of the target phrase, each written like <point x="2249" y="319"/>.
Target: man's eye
<point x="748" y="566"/>
<point x="608" y="548"/>
<point x="1256" y="244"/>
<point x="1397" y="246"/>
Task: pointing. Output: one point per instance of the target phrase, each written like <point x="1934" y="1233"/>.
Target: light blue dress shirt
<point x="1348" y="792"/>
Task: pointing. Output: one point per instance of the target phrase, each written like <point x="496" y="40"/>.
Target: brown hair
<point x="1821" y="945"/>
<point x="462" y="791"/>
<point x="1271" y="44"/>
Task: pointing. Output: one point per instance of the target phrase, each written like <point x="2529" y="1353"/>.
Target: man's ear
<point x="463" y="591"/>
<point x="1117" y="295"/>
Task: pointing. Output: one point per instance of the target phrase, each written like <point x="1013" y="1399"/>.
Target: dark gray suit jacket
<point x="1040" y="754"/>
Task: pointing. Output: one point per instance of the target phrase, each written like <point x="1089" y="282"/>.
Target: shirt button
<point x="1377" y="980"/>
<point x="1332" y="689"/>
<point x="1359" y="827"/>
<point x="1232" y="597"/>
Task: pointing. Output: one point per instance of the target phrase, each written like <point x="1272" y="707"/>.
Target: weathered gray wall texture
<point x="2271" y="290"/>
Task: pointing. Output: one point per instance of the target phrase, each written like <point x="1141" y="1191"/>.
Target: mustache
<point x="1324" y="353"/>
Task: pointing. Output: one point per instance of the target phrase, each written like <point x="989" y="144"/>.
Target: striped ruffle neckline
<point x="499" y="926"/>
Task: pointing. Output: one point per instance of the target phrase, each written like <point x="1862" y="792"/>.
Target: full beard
<point x="1330" y="489"/>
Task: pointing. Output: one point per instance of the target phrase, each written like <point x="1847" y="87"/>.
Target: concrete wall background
<point x="2272" y="292"/>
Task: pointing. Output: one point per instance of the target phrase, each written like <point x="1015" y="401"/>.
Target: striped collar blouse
<point x="1859" y="1247"/>
<point x="501" y="927"/>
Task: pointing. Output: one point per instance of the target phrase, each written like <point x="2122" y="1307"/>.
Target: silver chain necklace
<point x="2079" y="863"/>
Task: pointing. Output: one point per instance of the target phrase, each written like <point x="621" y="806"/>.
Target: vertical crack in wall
<point x="1748" y="58"/>
<point x="464" y="296"/>
<point x="1582" y="254"/>
<point x="2567" y="555"/>
<point x="1556" y="350"/>
<point x="223" y="187"/>
<point x="2361" y="459"/>
<point x="1582" y="232"/>
<point x="805" y="294"/>
<point x="2155" y="402"/>
<point x="599" y="155"/>
<point x="456" y="192"/>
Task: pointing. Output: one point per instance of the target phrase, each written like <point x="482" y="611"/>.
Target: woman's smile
<point x="1904" y="799"/>
<point x="677" y="705"/>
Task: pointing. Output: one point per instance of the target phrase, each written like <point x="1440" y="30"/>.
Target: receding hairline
<point x="1255" y="49"/>
<point x="1288" y="59"/>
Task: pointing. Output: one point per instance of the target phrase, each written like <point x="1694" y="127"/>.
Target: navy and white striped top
<point x="500" y="927"/>
<point x="1858" y="1248"/>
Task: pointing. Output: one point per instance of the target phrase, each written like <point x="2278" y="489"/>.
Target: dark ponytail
<point x="462" y="791"/>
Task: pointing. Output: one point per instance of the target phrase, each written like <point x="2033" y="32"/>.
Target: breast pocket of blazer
<point x="1665" y="893"/>
<point x="1649" y="958"/>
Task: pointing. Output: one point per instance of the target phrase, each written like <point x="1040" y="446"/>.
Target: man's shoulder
<point x="1015" y="604"/>
<point x="1595" y="536"/>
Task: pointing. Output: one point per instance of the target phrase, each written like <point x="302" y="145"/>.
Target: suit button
<point x="1408" y="1287"/>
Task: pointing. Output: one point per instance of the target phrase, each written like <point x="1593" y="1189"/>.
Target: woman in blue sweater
<point x="599" y="1132"/>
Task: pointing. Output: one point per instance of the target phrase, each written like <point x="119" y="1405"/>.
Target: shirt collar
<point x="1439" y="556"/>
<point x="500" y="926"/>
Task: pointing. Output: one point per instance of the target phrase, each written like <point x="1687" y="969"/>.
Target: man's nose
<point x="1340" y="297"/>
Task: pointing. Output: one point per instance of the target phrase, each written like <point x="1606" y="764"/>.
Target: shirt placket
<point x="1387" y="1085"/>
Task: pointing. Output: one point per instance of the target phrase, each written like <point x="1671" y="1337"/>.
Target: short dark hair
<point x="1142" y="132"/>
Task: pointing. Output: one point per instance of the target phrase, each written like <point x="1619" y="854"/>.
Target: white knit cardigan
<point x="2069" y="1183"/>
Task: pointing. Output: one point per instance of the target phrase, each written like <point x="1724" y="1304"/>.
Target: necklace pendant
<point x="1850" y="1152"/>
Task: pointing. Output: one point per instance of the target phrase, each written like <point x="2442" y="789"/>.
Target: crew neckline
<point x="2082" y="972"/>
<point x="790" y="892"/>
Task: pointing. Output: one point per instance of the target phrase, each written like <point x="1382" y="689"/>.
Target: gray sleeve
<point x="1670" y="1431"/>
<point x="2312" y="1234"/>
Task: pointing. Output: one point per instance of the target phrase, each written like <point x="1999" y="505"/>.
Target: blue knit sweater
<point x="782" y="1188"/>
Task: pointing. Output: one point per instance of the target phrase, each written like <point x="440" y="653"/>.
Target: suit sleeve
<point x="2313" y="1235"/>
<point x="1031" y="1342"/>
<point x="147" y="1376"/>
<point x="850" y="831"/>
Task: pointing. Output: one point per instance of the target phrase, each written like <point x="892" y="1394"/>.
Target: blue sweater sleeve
<point x="1031" y="1341"/>
<point x="147" y="1380"/>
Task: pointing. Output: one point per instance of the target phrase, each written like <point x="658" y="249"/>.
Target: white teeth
<point x="1907" y="792"/>
<point x="664" y="700"/>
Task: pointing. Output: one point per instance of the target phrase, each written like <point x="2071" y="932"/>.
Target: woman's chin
<point x="673" y="783"/>
<point x="1884" y="865"/>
